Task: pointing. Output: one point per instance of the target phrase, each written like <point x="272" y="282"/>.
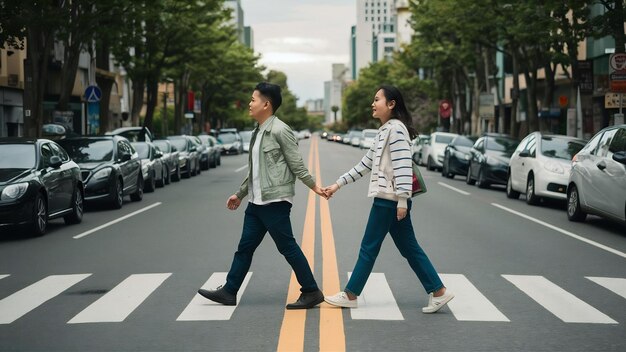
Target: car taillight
<point x="575" y="159"/>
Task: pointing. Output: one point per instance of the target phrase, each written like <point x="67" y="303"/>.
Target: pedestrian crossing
<point x="377" y="301"/>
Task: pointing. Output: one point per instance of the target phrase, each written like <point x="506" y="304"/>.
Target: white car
<point x="540" y="166"/>
<point x="432" y="152"/>
<point x="367" y="138"/>
<point x="597" y="183"/>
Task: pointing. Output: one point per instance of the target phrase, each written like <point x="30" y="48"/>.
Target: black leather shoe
<point x="307" y="300"/>
<point x="220" y="296"/>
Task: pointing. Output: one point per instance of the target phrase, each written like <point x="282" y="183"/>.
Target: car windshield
<point x="245" y="136"/>
<point x="443" y="139"/>
<point x="163" y="146"/>
<point x="369" y="134"/>
<point x="560" y="148"/>
<point x="88" y="150"/>
<point x="179" y="143"/>
<point x="501" y="144"/>
<point x="17" y="156"/>
<point x="464" y="142"/>
<point x="227" y="137"/>
<point x="143" y="150"/>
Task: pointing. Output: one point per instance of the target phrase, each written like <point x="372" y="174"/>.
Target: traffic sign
<point x="617" y="73"/>
<point x="93" y="94"/>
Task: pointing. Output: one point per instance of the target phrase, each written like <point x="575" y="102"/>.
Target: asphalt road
<point x="525" y="278"/>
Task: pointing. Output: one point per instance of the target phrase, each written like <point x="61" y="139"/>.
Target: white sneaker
<point x="436" y="303"/>
<point x="341" y="300"/>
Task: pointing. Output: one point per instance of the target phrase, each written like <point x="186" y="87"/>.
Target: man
<point x="274" y="163"/>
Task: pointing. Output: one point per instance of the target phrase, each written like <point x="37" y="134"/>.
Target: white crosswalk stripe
<point x="3" y="276"/>
<point x="31" y="297"/>
<point x="468" y="303"/>
<point x="122" y="300"/>
<point x="616" y="285"/>
<point x="376" y="302"/>
<point x="201" y="309"/>
<point x="557" y="301"/>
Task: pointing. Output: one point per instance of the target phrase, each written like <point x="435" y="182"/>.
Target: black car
<point x="188" y="158"/>
<point x="133" y="134"/>
<point x="489" y="160"/>
<point x="38" y="182"/>
<point x="456" y="156"/>
<point x="110" y="167"/>
<point x="169" y="158"/>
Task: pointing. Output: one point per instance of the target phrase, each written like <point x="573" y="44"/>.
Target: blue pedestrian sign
<point x="93" y="94"/>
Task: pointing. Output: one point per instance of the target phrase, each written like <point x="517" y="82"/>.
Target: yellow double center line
<point x="292" y="331"/>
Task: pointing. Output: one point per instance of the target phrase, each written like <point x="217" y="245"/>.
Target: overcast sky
<point x="302" y="38"/>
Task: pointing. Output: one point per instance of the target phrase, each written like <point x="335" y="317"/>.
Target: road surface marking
<point x="468" y="303"/>
<point x="116" y="220"/>
<point x="291" y="336"/>
<point x="616" y="285"/>
<point x="332" y="335"/>
<point x="202" y="309"/>
<point x="3" y="276"/>
<point x="122" y="300"/>
<point x="573" y="235"/>
<point x="454" y="188"/>
<point x="242" y="168"/>
<point x="376" y="302"/>
<point x="557" y="301"/>
<point x="31" y="297"/>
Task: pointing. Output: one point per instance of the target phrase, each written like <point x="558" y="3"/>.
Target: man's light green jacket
<point x="280" y="163"/>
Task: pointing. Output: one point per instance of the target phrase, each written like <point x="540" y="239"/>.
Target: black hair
<point x="270" y="92"/>
<point x="399" y="111"/>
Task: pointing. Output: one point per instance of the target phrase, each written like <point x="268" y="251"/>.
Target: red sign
<point x="190" y="100"/>
<point x="563" y="101"/>
<point x="445" y="109"/>
<point x="617" y="73"/>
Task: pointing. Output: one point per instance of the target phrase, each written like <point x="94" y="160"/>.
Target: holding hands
<point x="330" y="190"/>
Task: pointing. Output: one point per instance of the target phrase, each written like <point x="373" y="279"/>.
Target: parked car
<point x="188" y="159"/>
<point x="245" y="140"/>
<point x="597" y="182"/>
<point x="489" y="160"/>
<point x="152" y="168"/>
<point x="231" y="142"/>
<point x="432" y="152"/>
<point x="540" y="166"/>
<point x="110" y="168"/>
<point x="203" y="153"/>
<point x="367" y="138"/>
<point x="133" y="134"/>
<point x="417" y="145"/>
<point x="215" y="149"/>
<point x="38" y="182"/>
<point x="169" y="158"/>
<point x="456" y="156"/>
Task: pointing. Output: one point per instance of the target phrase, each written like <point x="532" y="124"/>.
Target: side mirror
<point x="620" y="157"/>
<point x="524" y="154"/>
<point x="125" y="157"/>
<point x="192" y="149"/>
<point x="158" y="155"/>
<point x="55" y="162"/>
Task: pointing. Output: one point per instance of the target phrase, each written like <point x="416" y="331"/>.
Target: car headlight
<point x="104" y="173"/>
<point x="15" y="191"/>
<point x="553" y="167"/>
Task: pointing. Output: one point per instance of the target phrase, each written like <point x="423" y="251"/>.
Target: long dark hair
<point x="400" y="111"/>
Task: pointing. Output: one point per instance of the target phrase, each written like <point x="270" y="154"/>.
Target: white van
<point x="432" y="153"/>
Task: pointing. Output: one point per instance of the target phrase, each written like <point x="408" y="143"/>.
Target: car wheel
<point x="429" y="164"/>
<point x="510" y="193"/>
<point x="177" y="176"/>
<point x="448" y="174"/>
<point x="76" y="216"/>
<point x="150" y="186"/>
<point x="39" y="220"/>
<point x="167" y="179"/>
<point x="574" y="212"/>
<point x="219" y="160"/>
<point x="468" y="177"/>
<point x="481" y="182"/>
<point x="531" y="197"/>
<point x="138" y="195"/>
<point x="188" y="168"/>
<point x="117" y="196"/>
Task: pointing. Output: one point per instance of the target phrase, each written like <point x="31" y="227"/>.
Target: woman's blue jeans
<point x="258" y="220"/>
<point x="383" y="220"/>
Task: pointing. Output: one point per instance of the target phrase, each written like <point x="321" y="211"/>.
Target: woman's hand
<point x="401" y="214"/>
<point x="330" y="190"/>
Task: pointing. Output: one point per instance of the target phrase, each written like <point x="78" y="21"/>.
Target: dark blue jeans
<point x="258" y="220"/>
<point x="383" y="220"/>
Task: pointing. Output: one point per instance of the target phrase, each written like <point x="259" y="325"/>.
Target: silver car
<point x="597" y="183"/>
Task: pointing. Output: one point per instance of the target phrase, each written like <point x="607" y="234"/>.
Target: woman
<point x="390" y="164"/>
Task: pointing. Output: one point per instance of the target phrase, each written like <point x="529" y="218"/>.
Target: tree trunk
<point x="531" y="94"/>
<point x="515" y="96"/>
<point x="105" y="84"/>
<point x="71" y="57"/>
<point x="139" y="86"/>
<point x="151" y="101"/>
<point x="39" y="45"/>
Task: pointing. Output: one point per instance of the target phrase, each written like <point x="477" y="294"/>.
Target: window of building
<point x="389" y="40"/>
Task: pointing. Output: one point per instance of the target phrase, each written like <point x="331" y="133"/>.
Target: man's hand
<point x="233" y="202"/>
<point x="319" y="191"/>
<point x="330" y="190"/>
<point x="401" y="214"/>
